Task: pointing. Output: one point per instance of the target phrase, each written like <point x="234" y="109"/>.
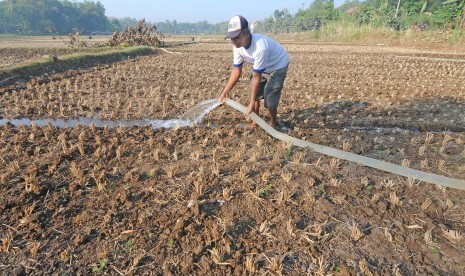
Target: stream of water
<point x="71" y="123"/>
<point x="192" y="117"/>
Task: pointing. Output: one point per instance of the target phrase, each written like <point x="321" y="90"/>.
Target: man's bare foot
<point x="252" y="125"/>
<point x="272" y="125"/>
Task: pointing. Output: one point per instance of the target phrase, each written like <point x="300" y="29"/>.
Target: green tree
<point x="266" y="26"/>
<point x="43" y="16"/>
<point x="175" y="26"/>
<point x="92" y="17"/>
<point x="8" y="22"/>
<point x="128" y="21"/>
<point x="115" y="25"/>
<point x="167" y="27"/>
<point x="318" y="13"/>
<point x="458" y="8"/>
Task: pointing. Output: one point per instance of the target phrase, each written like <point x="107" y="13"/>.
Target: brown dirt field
<point x="230" y="201"/>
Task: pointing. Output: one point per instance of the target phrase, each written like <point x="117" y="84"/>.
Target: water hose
<point x="362" y="160"/>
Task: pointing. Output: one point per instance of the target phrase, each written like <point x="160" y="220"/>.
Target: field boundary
<point x="52" y="64"/>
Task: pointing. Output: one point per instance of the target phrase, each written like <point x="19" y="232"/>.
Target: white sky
<point x="213" y="11"/>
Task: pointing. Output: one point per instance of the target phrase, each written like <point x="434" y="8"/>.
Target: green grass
<point x="457" y="37"/>
<point x="81" y="57"/>
<point x="266" y="191"/>
<point x="5" y="36"/>
<point x="101" y="267"/>
<point x="73" y="61"/>
<point x="349" y="32"/>
<point x="289" y="152"/>
<point x="150" y="173"/>
<point x="128" y="245"/>
<point x="346" y="31"/>
<point x="118" y="51"/>
<point x="435" y="250"/>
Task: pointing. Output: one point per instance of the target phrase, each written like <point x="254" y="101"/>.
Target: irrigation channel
<point x="194" y="116"/>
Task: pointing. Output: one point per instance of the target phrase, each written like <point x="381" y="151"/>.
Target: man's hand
<point x="221" y="98"/>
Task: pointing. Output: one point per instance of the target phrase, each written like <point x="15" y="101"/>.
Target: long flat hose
<point x="362" y="160"/>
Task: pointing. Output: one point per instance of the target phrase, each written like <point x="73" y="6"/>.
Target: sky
<point x="192" y="11"/>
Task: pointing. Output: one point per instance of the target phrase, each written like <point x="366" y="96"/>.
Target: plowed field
<point x="219" y="199"/>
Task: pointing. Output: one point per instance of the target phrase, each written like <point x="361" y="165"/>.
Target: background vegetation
<point x="33" y="17"/>
<point x="395" y="14"/>
<point x="61" y="16"/>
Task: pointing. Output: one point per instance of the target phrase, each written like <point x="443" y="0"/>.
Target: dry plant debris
<point x="219" y="199"/>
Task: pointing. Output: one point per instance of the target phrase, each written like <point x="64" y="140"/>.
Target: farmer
<point x="270" y="62"/>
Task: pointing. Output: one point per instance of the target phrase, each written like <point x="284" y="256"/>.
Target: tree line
<point x="175" y="27"/>
<point x="38" y="17"/>
<point x="35" y="17"/>
<point x="32" y="17"/>
<point x="395" y="14"/>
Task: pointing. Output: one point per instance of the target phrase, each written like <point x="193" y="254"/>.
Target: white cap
<point x="236" y="25"/>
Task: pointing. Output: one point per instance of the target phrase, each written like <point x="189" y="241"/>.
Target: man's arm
<point x="235" y="75"/>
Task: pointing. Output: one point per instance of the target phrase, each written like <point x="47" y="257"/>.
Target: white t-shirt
<point x="264" y="53"/>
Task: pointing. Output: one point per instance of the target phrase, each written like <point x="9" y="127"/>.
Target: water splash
<point x="191" y="117"/>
